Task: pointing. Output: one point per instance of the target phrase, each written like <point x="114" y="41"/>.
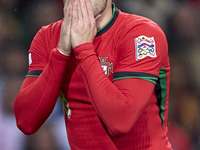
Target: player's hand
<point x="64" y="44"/>
<point x="83" y="29"/>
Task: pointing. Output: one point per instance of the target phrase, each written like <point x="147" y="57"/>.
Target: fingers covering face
<point x="89" y="8"/>
<point x="82" y="10"/>
<point x="68" y="11"/>
<point x="75" y="13"/>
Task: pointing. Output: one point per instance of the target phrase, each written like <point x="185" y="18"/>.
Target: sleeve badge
<point x="30" y="59"/>
<point x="145" y="46"/>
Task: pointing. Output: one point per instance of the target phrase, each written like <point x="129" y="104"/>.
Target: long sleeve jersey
<point x="114" y="90"/>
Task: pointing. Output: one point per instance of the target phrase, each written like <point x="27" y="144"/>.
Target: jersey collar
<point x="110" y="23"/>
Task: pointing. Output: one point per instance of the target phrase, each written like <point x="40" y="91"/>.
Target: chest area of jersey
<point x="74" y="88"/>
<point x="106" y="53"/>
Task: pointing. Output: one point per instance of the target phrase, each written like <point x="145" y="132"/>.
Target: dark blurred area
<point x="21" y="19"/>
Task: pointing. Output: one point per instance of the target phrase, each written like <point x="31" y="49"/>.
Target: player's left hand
<point x="83" y="28"/>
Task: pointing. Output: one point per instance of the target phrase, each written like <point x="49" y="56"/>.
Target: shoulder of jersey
<point x="53" y="26"/>
<point x="51" y="30"/>
<point x="134" y="20"/>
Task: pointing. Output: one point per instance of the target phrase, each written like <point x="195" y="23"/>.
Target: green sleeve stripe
<point x="138" y="75"/>
<point x="32" y="76"/>
<point x="163" y="84"/>
<point x="161" y="93"/>
<point x="150" y="79"/>
<point x="35" y="73"/>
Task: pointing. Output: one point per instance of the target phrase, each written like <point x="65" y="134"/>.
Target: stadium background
<point x="21" y="19"/>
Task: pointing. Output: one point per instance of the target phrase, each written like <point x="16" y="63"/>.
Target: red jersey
<point x="115" y="93"/>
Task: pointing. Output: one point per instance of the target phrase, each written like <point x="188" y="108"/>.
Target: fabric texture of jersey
<point x="129" y="49"/>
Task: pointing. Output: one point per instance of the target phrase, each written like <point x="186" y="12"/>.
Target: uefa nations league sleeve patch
<point x="145" y="46"/>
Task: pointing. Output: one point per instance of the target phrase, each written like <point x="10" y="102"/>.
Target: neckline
<point x="110" y="23"/>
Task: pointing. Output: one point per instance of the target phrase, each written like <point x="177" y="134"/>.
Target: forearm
<point x="38" y="96"/>
<point x="118" y="104"/>
<point x="111" y="105"/>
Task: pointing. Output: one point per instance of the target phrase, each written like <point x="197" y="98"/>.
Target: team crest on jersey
<point x="145" y="46"/>
<point x="106" y="66"/>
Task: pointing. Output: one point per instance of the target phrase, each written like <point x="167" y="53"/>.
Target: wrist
<point x="84" y="50"/>
<point x="68" y="53"/>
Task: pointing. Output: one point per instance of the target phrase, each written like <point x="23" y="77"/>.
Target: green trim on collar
<point x="110" y="23"/>
<point x="114" y="8"/>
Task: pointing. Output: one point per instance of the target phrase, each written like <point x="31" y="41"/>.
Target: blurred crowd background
<point x="180" y="20"/>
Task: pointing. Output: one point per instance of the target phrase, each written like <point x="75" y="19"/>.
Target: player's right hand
<point x="64" y="44"/>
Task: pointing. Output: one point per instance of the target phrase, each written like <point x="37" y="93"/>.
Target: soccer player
<point x="111" y="70"/>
